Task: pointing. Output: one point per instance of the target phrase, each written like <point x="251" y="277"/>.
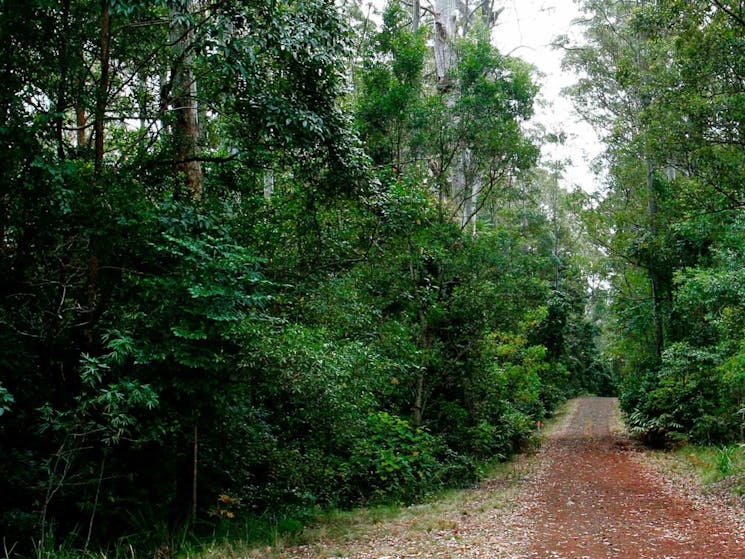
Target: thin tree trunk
<point x="64" y="65"/>
<point x="458" y="197"/>
<point x="471" y="180"/>
<point x="419" y="401"/>
<point x="103" y="86"/>
<point x="81" y="119"/>
<point x="80" y="122"/>
<point x="95" y="502"/>
<point x="419" y="395"/>
<point x="195" y="471"/>
<point x="654" y="276"/>
<point x="424" y="344"/>
<point x="415" y="15"/>
<point x="556" y="232"/>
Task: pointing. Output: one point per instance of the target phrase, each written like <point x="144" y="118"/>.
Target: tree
<point x="620" y="63"/>
<point x="218" y="259"/>
<point x="662" y="75"/>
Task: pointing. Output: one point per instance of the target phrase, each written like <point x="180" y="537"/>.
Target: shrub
<point x="394" y="461"/>
<point x="682" y="399"/>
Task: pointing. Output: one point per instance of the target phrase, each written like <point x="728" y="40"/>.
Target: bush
<point x="683" y="399"/>
<point x="394" y="461"/>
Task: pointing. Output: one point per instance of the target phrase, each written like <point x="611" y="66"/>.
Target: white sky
<point x="526" y="29"/>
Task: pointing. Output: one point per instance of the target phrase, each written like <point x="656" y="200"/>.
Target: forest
<point x="259" y="259"/>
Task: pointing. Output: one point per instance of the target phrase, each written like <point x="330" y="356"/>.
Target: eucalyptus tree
<point x="456" y="25"/>
<point x="621" y="66"/>
<point x="463" y="128"/>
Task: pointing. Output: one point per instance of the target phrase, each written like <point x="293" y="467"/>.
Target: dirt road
<point x="594" y="498"/>
<point x="589" y="493"/>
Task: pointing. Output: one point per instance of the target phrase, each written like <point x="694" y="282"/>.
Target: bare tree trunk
<point x="458" y="188"/>
<point x="445" y="61"/>
<point x="415" y="15"/>
<point x="268" y="184"/>
<point x="80" y="123"/>
<point x="102" y="94"/>
<point x="444" y="33"/>
<point x="419" y="388"/>
<point x="473" y="202"/>
<point x="186" y="126"/>
<point x="81" y="119"/>
<point x="471" y="191"/>
<point x="654" y="275"/>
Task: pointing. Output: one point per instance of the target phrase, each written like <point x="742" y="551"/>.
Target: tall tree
<point x="616" y="93"/>
<point x="183" y="83"/>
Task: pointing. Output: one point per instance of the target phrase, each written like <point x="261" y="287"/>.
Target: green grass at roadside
<point x="713" y="464"/>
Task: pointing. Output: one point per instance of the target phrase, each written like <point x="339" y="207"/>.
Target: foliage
<point x="683" y="398"/>
<point x="233" y="288"/>
<point x="394" y="459"/>
<point x="659" y="80"/>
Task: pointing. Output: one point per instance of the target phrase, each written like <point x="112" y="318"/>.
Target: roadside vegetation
<point x="664" y="82"/>
<point x="720" y="469"/>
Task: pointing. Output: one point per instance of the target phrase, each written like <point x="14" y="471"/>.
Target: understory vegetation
<point x="718" y="470"/>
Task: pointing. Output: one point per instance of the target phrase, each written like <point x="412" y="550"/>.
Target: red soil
<point x="594" y="498"/>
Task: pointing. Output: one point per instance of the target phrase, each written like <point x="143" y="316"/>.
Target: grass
<point x="710" y="464"/>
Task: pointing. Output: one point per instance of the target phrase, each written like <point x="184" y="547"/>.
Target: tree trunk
<point x="444" y="33"/>
<point x="419" y="400"/>
<point x="268" y="184"/>
<point x="471" y="191"/>
<point x="654" y="275"/>
<point x="184" y="97"/>
<point x="80" y="123"/>
<point x="61" y="91"/>
<point x="81" y="118"/>
<point x="102" y="94"/>
<point x="195" y="471"/>
<point x="458" y="196"/>
<point x="419" y="388"/>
